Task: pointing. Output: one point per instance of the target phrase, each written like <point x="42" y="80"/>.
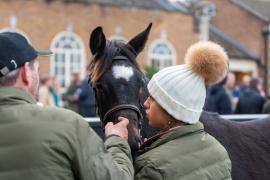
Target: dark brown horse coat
<point x="247" y="143"/>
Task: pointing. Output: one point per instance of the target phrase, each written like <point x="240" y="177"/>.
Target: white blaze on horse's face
<point x="121" y="71"/>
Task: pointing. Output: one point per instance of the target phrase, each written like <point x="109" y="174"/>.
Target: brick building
<point x="64" y="27"/>
<point x="243" y="22"/>
<point x="241" y="27"/>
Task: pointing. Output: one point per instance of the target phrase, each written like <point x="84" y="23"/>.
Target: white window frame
<point x="67" y="54"/>
<point x="161" y="57"/>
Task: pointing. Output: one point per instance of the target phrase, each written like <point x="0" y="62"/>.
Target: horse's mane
<point x="101" y="63"/>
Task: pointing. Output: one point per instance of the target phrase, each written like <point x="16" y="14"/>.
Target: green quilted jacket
<point x="183" y="153"/>
<point x="44" y="143"/>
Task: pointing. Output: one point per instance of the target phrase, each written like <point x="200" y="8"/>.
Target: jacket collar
<point x="13" y="95"/>
<point x="171" y="134"/>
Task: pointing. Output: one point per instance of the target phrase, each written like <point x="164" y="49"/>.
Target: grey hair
<point x="11" y="78"/>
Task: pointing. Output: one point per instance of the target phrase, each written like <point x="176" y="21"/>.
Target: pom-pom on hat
<point x="181" y="89"/>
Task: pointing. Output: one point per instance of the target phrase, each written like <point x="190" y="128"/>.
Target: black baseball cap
<point x="15" y="51"/>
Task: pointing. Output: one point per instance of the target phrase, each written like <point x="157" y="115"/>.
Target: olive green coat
<point x="44" y="143"/>
<point x="183" y="153"/>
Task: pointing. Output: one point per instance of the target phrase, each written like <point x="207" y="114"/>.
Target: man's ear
<point x="25" y="73"/>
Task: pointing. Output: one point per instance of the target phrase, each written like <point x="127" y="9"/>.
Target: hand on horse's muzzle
<point x="119" y="129"/>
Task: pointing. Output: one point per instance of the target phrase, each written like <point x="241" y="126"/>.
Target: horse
<point x="247" y="143"/>
<point x="120" y="88"/>
<point x="117" y="82"/>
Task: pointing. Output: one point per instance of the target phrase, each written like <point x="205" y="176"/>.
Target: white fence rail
<point x="234" y="117"/>
<point x="94" y="122"/>
<point x="244" y="117"/>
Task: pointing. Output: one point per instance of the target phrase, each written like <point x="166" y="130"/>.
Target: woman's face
<point x="156" y="114"/>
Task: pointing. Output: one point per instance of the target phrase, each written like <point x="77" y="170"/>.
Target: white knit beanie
<point x="181" y="89"/>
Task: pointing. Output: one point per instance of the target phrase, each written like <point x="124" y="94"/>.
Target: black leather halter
<point x="121" y="106"/>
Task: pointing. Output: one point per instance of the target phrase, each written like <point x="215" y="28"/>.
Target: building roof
<point x="184" y="8"/>
<point x="233" y="47"/>
<point x="260" y="8"/>
<point x="164" y="5"/>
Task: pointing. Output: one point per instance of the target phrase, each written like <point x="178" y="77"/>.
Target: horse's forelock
<point x="102" y="62"/>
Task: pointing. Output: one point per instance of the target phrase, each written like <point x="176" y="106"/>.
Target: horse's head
<point x="118" y="83"/>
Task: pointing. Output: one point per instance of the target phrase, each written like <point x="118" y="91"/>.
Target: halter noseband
<point x="122" y="107"/>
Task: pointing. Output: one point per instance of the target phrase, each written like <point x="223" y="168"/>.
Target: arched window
<point x="161" y="54"/>
<point x="68" y="58"/>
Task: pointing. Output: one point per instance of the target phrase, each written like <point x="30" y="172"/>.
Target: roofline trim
<point x="178" y="7"/>
<point x="163" y="7"/>
<point x="244" y="6"/>
<point x="235" y="43"/>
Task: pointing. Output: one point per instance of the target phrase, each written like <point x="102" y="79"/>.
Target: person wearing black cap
<point x="39" y="142"/>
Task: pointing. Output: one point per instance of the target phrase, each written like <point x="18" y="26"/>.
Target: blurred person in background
<point x="85" y="95"/>
<point x="245" y="84"/>
<point x="70" y="100"/>
<point x="44" y="95"/>
<point x="54" y="90"/>
<point x="251" y="101"/>
<point x="236" y="91"/>
<point x="230" y="89"/>
<point x="217" y="99"/>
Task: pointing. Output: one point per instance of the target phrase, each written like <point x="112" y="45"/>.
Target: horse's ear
<point x="97" y="41"/>
<point x="138" y="42"/>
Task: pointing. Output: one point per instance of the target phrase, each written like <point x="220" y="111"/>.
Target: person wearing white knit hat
<point x="182" y="149"/>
